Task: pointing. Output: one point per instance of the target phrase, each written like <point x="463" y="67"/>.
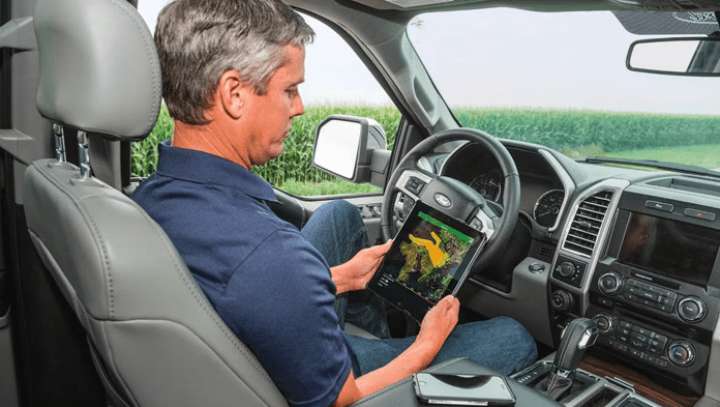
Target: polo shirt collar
<point x="197" y="166"/>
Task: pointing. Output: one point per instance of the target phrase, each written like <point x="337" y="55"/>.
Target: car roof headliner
<point x="542" y="5"/>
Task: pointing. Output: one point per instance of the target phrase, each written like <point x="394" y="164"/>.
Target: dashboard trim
<point x="616" y="186"/>
<point x="560" y="211"/>
<point x="712" y="381"/>
<point x="567" y="182"/>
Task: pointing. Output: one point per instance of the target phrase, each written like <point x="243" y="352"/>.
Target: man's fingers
<point x="381" y="249"/>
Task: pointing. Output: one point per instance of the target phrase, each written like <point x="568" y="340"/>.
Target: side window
<point x="336" y="82"/>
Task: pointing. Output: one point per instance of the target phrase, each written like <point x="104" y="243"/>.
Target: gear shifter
<point x="578" y="335"/>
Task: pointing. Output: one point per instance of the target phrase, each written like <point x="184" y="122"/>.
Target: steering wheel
<point x="455" y="198"/>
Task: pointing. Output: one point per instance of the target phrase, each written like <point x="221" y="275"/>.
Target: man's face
<point x="269" y="116"/>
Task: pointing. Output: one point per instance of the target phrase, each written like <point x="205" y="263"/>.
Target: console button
<point x="691" y="309"/>
<point x="566" y="269"/>
<point x="661" y="206"/>
<point x="662" y="339"/>
<point x="640" y="338"/>
<point x="625" y="324"/>
<point x="638" y="344"/>
<point x="561" y="300"/>
<point x="606" y="302"/>
<point x="681" y="353"/>
<point x="648" y="295"/>
<point x="604" y="323"/>
<point x="610" y="283"/>
<point x="699" y="214"/>
<point x="641" y="331"/>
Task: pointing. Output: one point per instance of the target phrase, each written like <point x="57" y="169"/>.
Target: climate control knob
<point x="566" y="269"/>
<point x="681" y="353"/>
<point x="610" y="283"/>
<point x="691" y="309"/>
<point x="561" y="300"/>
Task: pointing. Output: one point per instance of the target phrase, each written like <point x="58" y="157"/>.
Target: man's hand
<point x="356" y="273"/>
<point x="438" y="324"/>
<point x="434" y="331"/>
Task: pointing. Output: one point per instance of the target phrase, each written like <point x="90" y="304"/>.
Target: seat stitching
<point x="50" y="177"/>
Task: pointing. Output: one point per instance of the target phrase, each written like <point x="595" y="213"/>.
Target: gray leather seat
<point x="157" y="340"/>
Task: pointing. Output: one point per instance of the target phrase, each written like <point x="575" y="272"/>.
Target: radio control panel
<point x="660" y="323"/>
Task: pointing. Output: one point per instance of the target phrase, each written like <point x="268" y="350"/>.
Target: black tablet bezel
<point x="410" y="302"/>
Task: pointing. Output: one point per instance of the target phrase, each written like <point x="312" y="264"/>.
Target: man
<point x="231" y="71"/>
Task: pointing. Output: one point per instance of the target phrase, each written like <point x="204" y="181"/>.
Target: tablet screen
<point x="426" y="261"/>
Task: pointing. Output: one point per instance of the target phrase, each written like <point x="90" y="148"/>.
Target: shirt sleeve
<point x="280" y="303"/>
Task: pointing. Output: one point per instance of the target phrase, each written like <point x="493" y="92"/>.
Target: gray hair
<point x="199" y="40"/>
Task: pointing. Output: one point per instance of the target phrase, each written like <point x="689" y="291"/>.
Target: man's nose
<point x="298" y="107"/>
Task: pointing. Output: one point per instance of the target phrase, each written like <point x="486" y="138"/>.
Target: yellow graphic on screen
<point x="438" y="257"/>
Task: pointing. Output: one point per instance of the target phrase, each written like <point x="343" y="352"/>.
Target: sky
<point x="507" y="58"/>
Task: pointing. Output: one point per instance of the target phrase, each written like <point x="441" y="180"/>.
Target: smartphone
<point x="463" y="389"/>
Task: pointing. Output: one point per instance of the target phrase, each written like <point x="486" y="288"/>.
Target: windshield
<point x="559" y="79"/>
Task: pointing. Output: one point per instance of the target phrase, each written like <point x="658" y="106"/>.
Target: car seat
<point x="155" y="339"/>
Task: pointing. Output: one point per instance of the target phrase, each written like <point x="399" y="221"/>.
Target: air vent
<point x="585" y="227"/>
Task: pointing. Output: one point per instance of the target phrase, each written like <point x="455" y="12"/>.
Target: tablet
<point x="430" y="258"/>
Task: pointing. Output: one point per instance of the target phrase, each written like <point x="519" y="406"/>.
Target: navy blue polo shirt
<point x="265" y="280"/>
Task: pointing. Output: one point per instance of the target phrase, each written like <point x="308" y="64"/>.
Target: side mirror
<point x="354" y="148"/>
<point x="698" y="56"/>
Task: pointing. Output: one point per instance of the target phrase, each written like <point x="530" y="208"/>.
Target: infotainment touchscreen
<point x="677" y="249"/>
<point x="428" y="259"/>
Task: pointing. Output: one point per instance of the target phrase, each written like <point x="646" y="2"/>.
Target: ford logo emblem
<point x="443" y="200"/>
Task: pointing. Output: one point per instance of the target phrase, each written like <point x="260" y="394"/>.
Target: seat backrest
<point x="157" y="339"/>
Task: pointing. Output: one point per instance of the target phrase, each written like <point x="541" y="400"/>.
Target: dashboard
<point x="543" y="191"/>
<point x="638" y="251"/>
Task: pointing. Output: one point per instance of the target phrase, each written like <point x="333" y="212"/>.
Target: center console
<point x="642" y="260"/>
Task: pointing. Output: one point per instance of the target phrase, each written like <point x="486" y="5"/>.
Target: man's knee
<point x="523" y="343"/>
<point x="344" y="212"/>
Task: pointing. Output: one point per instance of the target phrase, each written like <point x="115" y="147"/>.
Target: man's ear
<point x="233" y="93"/>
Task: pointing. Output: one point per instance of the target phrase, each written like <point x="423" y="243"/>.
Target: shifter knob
<point x="578" y="335"/>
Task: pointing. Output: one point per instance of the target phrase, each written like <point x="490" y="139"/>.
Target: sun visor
<point x="668" y="22"/>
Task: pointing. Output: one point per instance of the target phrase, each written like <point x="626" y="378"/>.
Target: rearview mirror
<point x="699" y="56"/>
<point x="346" y="146"/>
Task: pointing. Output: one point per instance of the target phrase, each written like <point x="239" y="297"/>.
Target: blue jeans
<point x="502" y="344"/>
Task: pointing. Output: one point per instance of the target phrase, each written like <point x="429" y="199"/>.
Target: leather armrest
<point x="402" y="394"/>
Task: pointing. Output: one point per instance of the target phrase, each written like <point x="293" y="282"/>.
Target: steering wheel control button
<point x="681" y="353"/>
<point x="610" y="283"/>
<point x="691" y="309"/>
<point x="414" y="185"/>
<point x="660" y="206"/>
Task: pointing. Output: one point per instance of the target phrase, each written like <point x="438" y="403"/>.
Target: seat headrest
<point x="99" y="70"/>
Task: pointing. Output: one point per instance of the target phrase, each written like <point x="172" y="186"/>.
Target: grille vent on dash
<point x="585" y="227"/>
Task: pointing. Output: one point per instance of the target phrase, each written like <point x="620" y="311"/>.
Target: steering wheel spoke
<point x="484" y="222"/>
<point x="413" y="181"/>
